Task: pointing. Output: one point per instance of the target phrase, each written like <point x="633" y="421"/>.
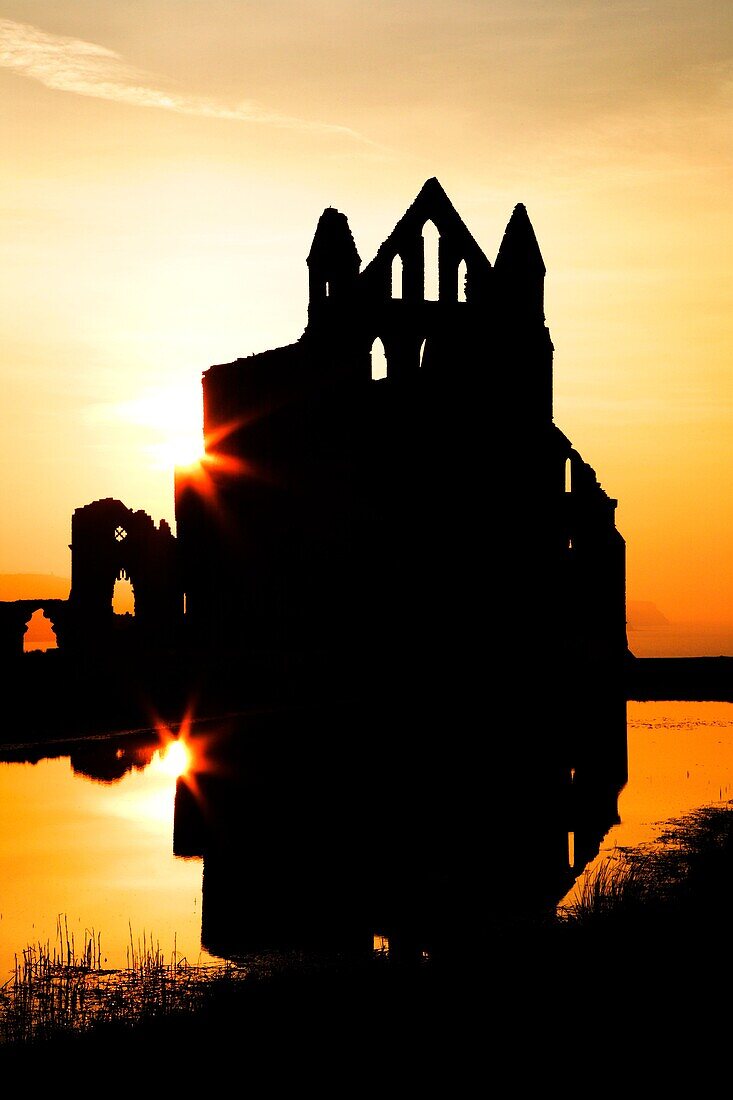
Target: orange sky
<point x="165" y="162"/>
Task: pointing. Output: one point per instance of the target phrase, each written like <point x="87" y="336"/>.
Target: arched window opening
<point x="379" y="361"/>
<point x="570" y="544"/>
<point x="568" y="476"/>
<point x="39" y="633"/>
<point x="123" y="595"/>
<point x="397" y="276"/>
<point x="185" y="603"/>
<point x="571" y="849"/>
<point x="422" y="351"/>
<point x="462" y="276"/>
<point x="328" y="289"/>
<point x="430" y="244"/>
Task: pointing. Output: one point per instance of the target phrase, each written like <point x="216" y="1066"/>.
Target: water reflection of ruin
<point x="309" y="839"/>
<point x="104" y="760"/>
<point x="325" y="841"/>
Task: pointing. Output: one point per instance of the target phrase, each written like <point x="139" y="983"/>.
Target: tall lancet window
<point x="430" y="242"/>
<point x="123" y="595"/>
<point x="462" y="274"/>
<point x="397" y="276"/>
<point x="379" y="361"/>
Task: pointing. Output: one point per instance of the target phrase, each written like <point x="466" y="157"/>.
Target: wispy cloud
<point x="85" y="68"/>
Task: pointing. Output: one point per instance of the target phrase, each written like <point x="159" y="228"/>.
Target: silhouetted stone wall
<point x="412" y="532"/>
<point x="110" y="541"/>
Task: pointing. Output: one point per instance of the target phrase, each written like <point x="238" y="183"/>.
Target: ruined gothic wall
<point x="109" y="541"/>
<point x="403" y="527"/>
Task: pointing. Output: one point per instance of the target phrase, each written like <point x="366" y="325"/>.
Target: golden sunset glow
<point x="163" y="176"/>
<point x="173" y="419"/>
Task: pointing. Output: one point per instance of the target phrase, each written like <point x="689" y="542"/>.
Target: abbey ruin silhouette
<point x="389" y="494"/>
<point x="385" y="504"/>
<point x="396" y="566"/>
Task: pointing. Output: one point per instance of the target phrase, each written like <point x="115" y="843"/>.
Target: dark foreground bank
<point x="640" y="968"/>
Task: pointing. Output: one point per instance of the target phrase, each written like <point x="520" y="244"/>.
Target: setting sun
<point x="172" y="419"/>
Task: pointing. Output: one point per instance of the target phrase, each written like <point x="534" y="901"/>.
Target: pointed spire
<point x="333" y="262"/>
<point x="333" y="243"/>
<point x="520" y="270"/>
<point x="519" y="251"/>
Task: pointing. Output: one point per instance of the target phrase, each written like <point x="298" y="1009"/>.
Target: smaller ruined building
<point x="109" y="541"/>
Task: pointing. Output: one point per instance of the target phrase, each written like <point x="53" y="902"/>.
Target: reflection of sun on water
<point x="148" y="797"/>
<point x="174" y="759"/>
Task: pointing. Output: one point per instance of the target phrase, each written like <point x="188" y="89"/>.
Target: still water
<point x="98" y="854"/>
<point x="680" y="757"/>
<point x="92" y="844"/>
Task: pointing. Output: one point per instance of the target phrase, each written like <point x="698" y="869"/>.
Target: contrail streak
<point x="84" y="68"/>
